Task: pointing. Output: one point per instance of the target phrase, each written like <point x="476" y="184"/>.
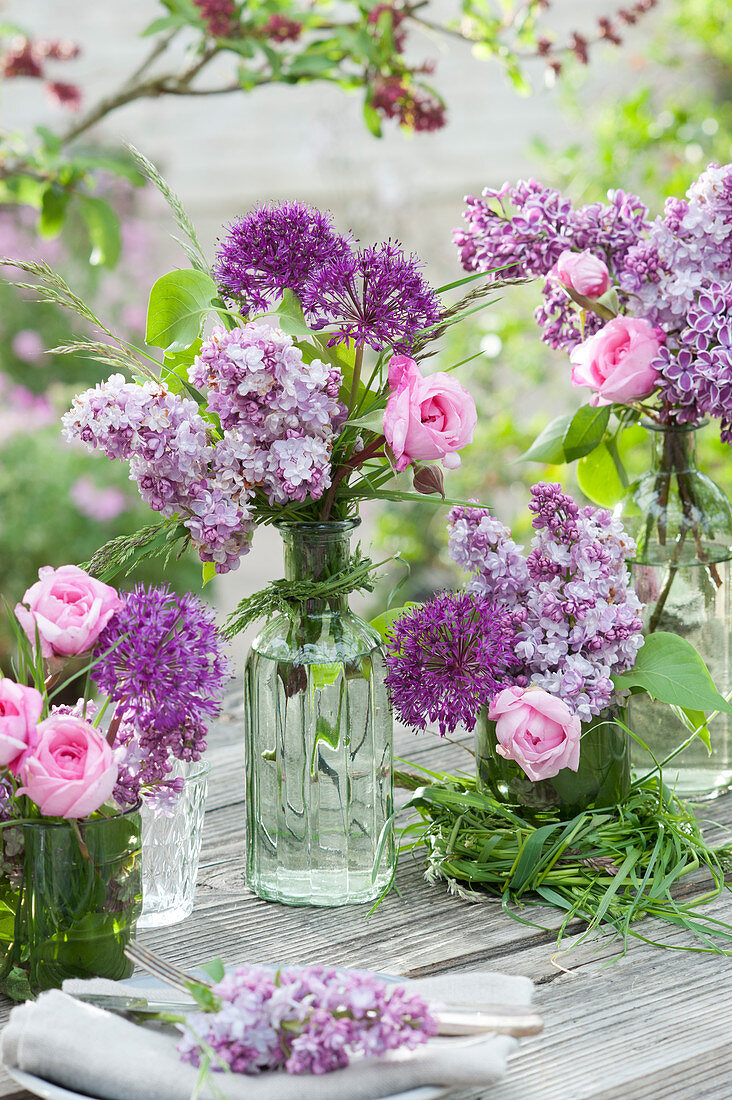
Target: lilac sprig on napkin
<point x="303" y="1020"/>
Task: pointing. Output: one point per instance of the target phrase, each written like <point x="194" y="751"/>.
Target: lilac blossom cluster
<point x="576" y="618"/>
<point x="686" y="249"/>
<point x="277" y="413"/>
<point x="278" y="417"/>
<point x="697" y="372"/>
<point x="447" y="659"/>
<point x="303" y="1020"/>
<point x="165" y="440"/>
<point x="160" y="661"/>
<point x="520" y="232"/>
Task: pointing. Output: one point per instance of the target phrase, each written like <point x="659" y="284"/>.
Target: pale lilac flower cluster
<point x="686" y="250"/>
<point x="303" y="1020"/>
<point x="277" y="412"/>
<point x="164" y="438"/>
<point x="520" y="232"/>
<point x="278" y="416"/>
<point x="697" y="373"/>
<point x="577" y="620"/>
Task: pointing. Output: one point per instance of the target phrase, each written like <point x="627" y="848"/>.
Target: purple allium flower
<point x="160" y="659"/>
<point x="277" y="246"/>
<point x="447" y="659"/>
<point x="376" y="295"/>
<point x="304" y="1020"/>
<point x="576" y="618"/>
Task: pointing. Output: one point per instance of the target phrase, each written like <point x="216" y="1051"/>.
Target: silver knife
<point x="453" y="1020"/>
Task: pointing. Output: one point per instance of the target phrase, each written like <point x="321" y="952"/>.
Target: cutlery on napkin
<point x="81" y="1047"/>
<point x="453" y="1020"/>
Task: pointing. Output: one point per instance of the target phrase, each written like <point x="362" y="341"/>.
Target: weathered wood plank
<point x="650" y="1025"/>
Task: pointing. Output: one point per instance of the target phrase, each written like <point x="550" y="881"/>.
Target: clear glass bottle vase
<point x="682" y="570"/>
<point x="318" y="742"/>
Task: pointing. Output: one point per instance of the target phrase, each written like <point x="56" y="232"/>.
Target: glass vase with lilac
<point x="644" y="308"/>
<point x="525" y="654"/>
<point x="538" y="654"/>
<point x="318" y="741"/>
<point x="305" y="398"/>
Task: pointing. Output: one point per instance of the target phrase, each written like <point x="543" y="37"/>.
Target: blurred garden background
<point x="584" y="96"/>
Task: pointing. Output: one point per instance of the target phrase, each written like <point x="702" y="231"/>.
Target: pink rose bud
<point x="427" y="479"/>
<point x="537" y="730"/>
<point x="68" y="608"/>
<point x="583" y="273"/>
<point x="426" y="418"/>
<point x="20" y="711"/>
<point x="72" y="770"/>
<point x="618" y="362"/>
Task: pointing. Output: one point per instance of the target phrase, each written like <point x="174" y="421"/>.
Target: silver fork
<point x="452" y="1019"/>
<point x="159" y="968"/>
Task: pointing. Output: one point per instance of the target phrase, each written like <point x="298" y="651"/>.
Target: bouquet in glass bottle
<point x="644" y="309"/>
<point x="302" y="397"/>
<point x="71" y="788"/>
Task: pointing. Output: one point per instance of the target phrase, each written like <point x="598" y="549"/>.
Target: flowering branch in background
<point x="355" y="47"/>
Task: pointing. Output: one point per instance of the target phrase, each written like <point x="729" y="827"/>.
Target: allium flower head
<point x="160" y="659"/>
<point x="277" y="246"/>
<point x="377" y="295"/>
<point x="447" y="659"/>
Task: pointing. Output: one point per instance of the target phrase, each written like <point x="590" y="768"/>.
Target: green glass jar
<point x="70" y="895"/>
<point x="682" y="570"/>
<point x="318" y="742"/>
<point x="602" y="779"/>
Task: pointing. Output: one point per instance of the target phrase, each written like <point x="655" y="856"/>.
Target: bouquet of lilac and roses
<point x="289" y="388"/>
<point x="72" y="778"/>
<point x="643" y="307"/>
<point x="157" y="661"/>
<point x="546" y="642"/>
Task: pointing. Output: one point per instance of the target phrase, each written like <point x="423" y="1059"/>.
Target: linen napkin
<point x="88" y="1050"/>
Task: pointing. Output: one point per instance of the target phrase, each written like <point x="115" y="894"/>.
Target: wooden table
<point x="655" y="1024"/>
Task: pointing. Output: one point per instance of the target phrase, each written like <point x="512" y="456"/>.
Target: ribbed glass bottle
<point x="318" y="742"/>
<point x="682" y="523"/>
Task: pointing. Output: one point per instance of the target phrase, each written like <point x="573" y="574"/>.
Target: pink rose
<point x="426" y="418"/>
<point x="537" y="730"/>
<point x="69" y="608"/>
<point x="20" y="712"/>
<point x="617" y="362"/>
<point x="583" y="273"/>
<point x="72" y="771"/>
